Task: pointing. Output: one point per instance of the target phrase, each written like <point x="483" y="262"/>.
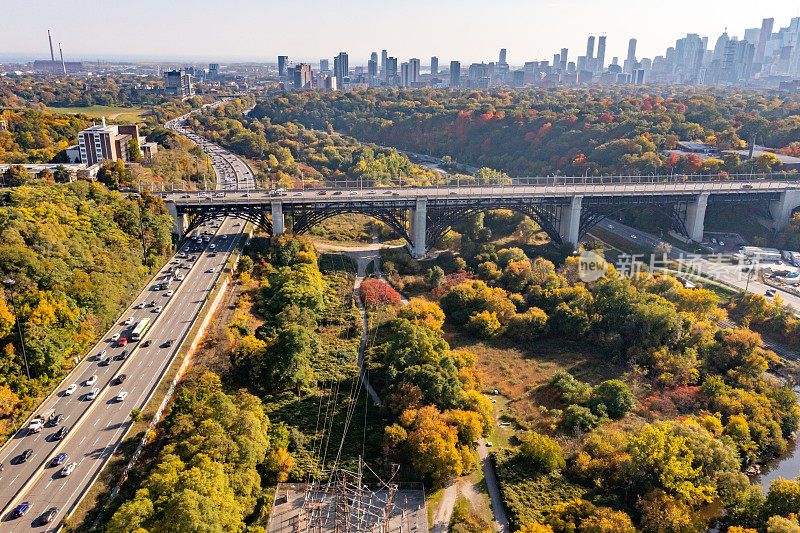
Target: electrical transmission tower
<point x="344" y="504"/>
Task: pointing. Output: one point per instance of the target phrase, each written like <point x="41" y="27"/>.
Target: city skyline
<point x="446" y="30"/>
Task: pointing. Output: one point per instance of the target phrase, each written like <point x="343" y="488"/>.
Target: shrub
<point x="375" y="292"/>
<point x="615" y="395"/>
<point x="543" y="452"/>
<point x="529" y="325"/>
<point x="484" y="325"/>
<point x="579" y="417"/>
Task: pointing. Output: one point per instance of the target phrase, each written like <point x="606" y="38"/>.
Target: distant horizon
<point x="245" y="31"/>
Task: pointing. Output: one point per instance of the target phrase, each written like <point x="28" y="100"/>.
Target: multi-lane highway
<point x="95" y="427"/>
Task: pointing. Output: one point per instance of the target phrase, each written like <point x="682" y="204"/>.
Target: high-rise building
<point x="178" y="83"/>
<point x="766" y="33"/>
<point x="374" y="57"/>
<point x="563" y="57"/>
<point x="303" y="76"/>
<point x="405" y="75"/>
<point x="414" y="65"/>
<point x="590" y="47"/>
<point x="390" y="73"/>
<point x="601" y="53"/>
<point x="213" y="70"/>
<point x="341" y="68"/>
<point x="502" y="58"/>
<point x="630" y="60"/>
<point x="372" y="67"/>
<point x="455" y="73"/>
<point x="384" y="55"/>
<point x="282" y="61"/>
<point x="324" y="65"/>
<point x="434" y="66"/>
<point x="106" y="143"/>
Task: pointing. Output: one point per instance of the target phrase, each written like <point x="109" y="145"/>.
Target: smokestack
<point x="63" y="66"/>
<point x="52" y="55"/>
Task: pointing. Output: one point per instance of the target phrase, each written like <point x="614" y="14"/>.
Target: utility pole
<point x="10" y="284"/>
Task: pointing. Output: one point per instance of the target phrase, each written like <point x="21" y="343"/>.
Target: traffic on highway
<point x="51" y="461"/>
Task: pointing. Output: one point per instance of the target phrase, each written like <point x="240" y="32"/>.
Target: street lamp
<point x="10" y="284"/>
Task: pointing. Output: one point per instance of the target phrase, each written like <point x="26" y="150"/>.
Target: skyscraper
<point x="413" y="64"/>
<point x="341" y="68"/>
<point x="282" y="60"/>
<point x="302" y="76"/>
<point x="601" y="53"/>
<point x="630" y="61"/>
<point x="405" y="75"/>
<point x="766" y="33"/>
<point x="374" y="57"/>
<point x="590" y="48"/>
<point x="455" y="73"/>
<point x="434" y="66"/>
<point x="391" y="70"/>
<point x="324" y="65"/>
<point x="502" y="58"/>
<point x="563" y="58"/>
<point x="372" y="67"/>
<point x="384" y="55"/>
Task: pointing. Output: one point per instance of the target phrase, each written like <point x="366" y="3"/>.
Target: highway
<point x="96" y="427"/>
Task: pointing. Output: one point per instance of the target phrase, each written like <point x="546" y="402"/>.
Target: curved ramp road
<point x="96" y="427"/>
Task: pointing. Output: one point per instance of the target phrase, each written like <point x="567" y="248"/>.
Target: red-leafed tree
<point x="376" y="292"/>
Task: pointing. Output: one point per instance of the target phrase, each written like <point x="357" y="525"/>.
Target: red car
<point x="122" y="342"/>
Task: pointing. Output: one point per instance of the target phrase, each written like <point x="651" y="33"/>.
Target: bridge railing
<point x="672" y="181"/>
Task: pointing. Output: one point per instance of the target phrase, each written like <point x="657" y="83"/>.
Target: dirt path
<point x="500" y="519"/>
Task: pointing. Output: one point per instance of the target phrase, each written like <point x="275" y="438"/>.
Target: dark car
<point x="60" y="434"/>
<point x="24" y="456"/>
<point x="49" y="515"/>
<point x="147" y="343"/>
<point x="56" y="420"/>
<point x="119" y="379"/>
<point x="321" y="193"/>
<point x="123" y="355"/>
<point x="21" y="509"/>
<point x="168" y="343"/>
<point x="59" y="459"/>
<point x="105" y="362"/>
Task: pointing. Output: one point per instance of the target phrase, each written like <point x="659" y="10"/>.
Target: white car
<point x="101" y="355"/>
<point x="158" y="309"/>
<point x="72" y="388"/>
<point x="93" y="394"/>
<point x="115" y="337"/>
<point x="121" y="396"/>
<point x="67" y="470"/>
<point x="210" y="270"/>
<point x="140" y="305"/>
<point x="129" y="321"/>
<point x="91" y="381"/>
<point x="169" y="294"/>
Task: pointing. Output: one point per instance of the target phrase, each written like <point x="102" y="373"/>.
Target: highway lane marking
<point x="110" y="448"/>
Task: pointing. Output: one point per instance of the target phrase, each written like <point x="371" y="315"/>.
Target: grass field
<point x="120" y="114"/>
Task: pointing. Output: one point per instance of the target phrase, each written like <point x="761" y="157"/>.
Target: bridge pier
<point x="781" y="209"/>
<point x="277" y="217"/>
<point x="181" y="222"/>
<point x="695" y="217"/>
<point x="570" y="223"/>
<point x="419" y="216"/>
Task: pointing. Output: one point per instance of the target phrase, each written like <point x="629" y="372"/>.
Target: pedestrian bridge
<point x="565" y="208"/>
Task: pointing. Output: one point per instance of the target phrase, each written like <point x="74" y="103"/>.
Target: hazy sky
<point x="468" y="30"/>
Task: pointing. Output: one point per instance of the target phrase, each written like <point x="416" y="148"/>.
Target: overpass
<point x="565" y="208"/>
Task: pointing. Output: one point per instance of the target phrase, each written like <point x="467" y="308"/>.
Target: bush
<point x="571" y="390"/>
<point x="615" y="395"/>
<point x="375" y="292"/>
<point x="579" y="417"/>
<point x="484" y="325"/>
<point x="529" y="325"/>
<point x="543" y="452"/>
